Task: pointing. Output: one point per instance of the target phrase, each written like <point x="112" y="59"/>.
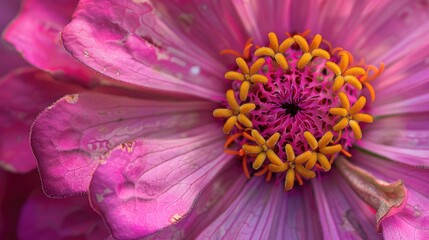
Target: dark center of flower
<point x="293" y="107"/>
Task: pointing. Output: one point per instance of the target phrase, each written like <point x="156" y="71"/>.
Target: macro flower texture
<point x="238" y="119"/>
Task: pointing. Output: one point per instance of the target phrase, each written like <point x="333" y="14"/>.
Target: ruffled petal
<point x="23" y="94"/>
<point x="413" y="221"/>
<point x="147" y="185"/>
<point x="126" y="41"/>
<point x="70" y="218"/>
<point x="342" y="214"/>
<point x="36" y="34"/>
<point x="213" y="201"/>
<point x="70" y="138"/>
<point x="403" y="138"/>
<point x="264" y="211"/>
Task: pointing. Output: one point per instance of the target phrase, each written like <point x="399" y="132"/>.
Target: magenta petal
<point x="147" y="185"/>
<point x="213" y="201"/>
<point x="23" y="94"/>
<point x="402" y="138"/>
<point x="116" y="38"/>
<point x="70" y="218"/>
<point x="36" y="34"/>
<point x="265" y="211"/>
<point x="70" y="138"/>
<point x="342" y="214"/>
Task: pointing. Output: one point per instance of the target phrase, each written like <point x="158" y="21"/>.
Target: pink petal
<point x="402" y="138"/>
<point x="387" y="198"/>
<point x="206" y="26"/>
<point x="116" y="39"/>
<point x="413" y="221"/>
<point x="36" y="34"/>
<point x="147" y="185"/>
<point x="23" y="94"/>
<point x="70" y="138"/>
<point x="213" y="200"/>
<point x="342" y="214"/>
<point x="264" y="211"/>
<point x="70" y="218"/>
<point x="9" y="58"/>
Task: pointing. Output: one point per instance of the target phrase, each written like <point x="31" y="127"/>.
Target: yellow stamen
<point x="303" y="44"/>
<point x="222" y="112"/>
<point x="274" y="159"/>
<point x="258" y="137"/>
<point x="264" y="51"/>
<point x="341" y="124"/>
<point x="324" y="141"/>
<point x="286" y="44"/>
<point x="290" y="179"/>
<point x="281" y="60"/>
<point x="303" y="157"/>
<point x="229" y="124"/>
<point x="356" y="129"/>
<point x="344" y="61"/>
<point x="344" y="100"/>
<point x="259" y="160"/>
<point x="311" y="140"/>
<point x="320" y="53"/>
<point x="304" y="60"/>
<point x="334" y="68"/>
<point x="311" y="161"/>
<point x="230" y="98"/>
<point x="258" y="78"/>
<point x="289" y="152"/>
<point x="357" y="107"/>
<point x="338" y="83"/>
<point x="231" y="75"/>
<point x="278" y="168"/>
<point x="244" y="90"/>
<point x="331" y="149"/>
<point x="252" y="149"/>
<point x="338" y="112"/>
<point x="271" y="142"/>
<point x="274" y="41"/>
<point x="244" y="120"/>
<point x="324" y="162"/>
<point x="352" y="80"/>
<point x="355" y="71"/>
<point x="242" y="65"/>
<point x="362" y="117"/>
<point x="247" y="107"/>
<point x="315" y="43"/>
<point x="256" y="66"/>
<point x="305" y="172"/>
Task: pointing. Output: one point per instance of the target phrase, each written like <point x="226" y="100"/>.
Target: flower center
<point x="294" y="106"/>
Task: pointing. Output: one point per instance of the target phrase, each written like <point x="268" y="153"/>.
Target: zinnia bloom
<point x="310" y="140"/>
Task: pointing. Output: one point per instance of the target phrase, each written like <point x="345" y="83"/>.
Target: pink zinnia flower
<point x="155" y="163"/>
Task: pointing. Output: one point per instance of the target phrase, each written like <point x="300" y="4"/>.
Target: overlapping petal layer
<point x="36" y="34"/>
<point x="23" y="94"/>
<point x="70" y="138"/>
<point x="146" y="185"/>
<point x="126" y="41"/>
<point x="71" y="218"/>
